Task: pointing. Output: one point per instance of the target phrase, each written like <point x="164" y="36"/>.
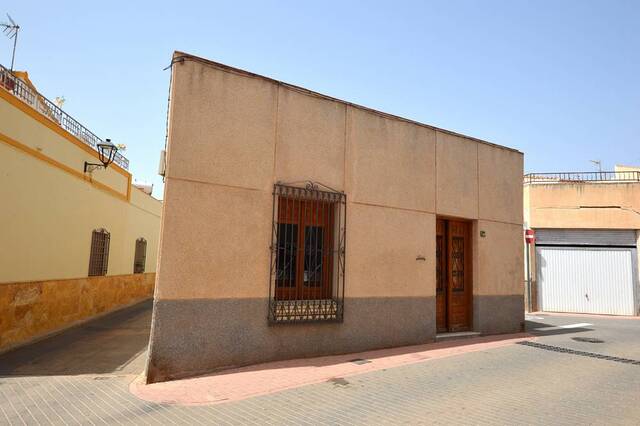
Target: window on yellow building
<point x="140" y="257"/>
<point x="99" y="257"/>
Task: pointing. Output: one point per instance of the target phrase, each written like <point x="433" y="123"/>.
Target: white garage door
<point x="598" y="280"/>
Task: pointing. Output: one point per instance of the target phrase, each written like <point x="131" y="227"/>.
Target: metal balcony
<point x="21" y="90"/>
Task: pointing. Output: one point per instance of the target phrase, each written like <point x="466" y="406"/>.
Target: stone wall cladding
<point x="201" y="335"/>
<point x="29" y="310"/>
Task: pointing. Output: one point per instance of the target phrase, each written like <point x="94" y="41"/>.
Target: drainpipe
<point x="529" y="238"/>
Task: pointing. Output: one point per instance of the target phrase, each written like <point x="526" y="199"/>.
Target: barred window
<point x="140" y="256"/>
<point x="307" y="254"/>
<point x="99" y="257"/>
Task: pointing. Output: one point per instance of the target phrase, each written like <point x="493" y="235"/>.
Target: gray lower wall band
<point x="196" y="336"/>
<point x="498" y="314"/>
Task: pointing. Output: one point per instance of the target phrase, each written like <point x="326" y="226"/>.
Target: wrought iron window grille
<point x="99" y="257"/>
<point x="307" y="274"/>
<point x="140" y="257"/>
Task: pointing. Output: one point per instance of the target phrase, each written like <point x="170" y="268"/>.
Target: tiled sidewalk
<point x="508" y="385"/>
<point x="262" y="379"/>
<point x="53" y="383"/>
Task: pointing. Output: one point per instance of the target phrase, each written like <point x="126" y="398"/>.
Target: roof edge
<point x="179" y="56"/>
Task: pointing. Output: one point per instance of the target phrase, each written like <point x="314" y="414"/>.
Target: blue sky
<point x="558" y="80"/>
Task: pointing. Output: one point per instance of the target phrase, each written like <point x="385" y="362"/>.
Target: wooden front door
<point x="441" y="275"/>
<point x="453" y="275"/>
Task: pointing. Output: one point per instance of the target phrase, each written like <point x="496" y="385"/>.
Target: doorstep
<point x="445" y="337"/>
<point x="261" y="379"/>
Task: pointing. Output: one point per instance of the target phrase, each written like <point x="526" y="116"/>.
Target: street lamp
<point x="106" y="153"/>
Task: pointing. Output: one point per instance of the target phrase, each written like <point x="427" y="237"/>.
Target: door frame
<point x="468" y="270"/>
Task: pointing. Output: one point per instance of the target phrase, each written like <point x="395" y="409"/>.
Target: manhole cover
<point x="360" y="361"/>
<point x="587" y="339"/>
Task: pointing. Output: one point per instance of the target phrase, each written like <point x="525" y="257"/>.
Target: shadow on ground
<point x="113" y="344"/>
<point x="548" y="329"/>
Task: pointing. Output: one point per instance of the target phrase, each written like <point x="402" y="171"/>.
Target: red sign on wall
<point x="529" y="236"/>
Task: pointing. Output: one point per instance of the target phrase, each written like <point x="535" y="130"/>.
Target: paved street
<point x="581" y="370"/>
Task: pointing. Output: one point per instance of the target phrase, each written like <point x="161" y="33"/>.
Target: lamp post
<point x="106" y="154"/>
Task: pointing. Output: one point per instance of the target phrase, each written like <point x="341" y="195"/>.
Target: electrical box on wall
<point x="163" y="163"/>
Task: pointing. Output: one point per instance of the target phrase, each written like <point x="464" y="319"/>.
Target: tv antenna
<point x="10" y="29"/>
<point x="597" y="163"/>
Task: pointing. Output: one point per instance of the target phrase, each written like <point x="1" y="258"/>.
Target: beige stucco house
<point x="587" y="226"/>
<point x="74" y="243"/>
<point x="296" y="225"/>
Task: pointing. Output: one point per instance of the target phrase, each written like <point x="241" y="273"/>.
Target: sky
<point x="558" y="80"/>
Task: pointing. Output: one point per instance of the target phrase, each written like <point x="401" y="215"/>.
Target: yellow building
<point x="587" y="226"/>
<point x="68" y="238"/>
<point x="296" y="224"/>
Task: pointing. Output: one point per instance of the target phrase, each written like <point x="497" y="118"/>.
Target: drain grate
<point x="587" y="339"/>
<point x="579" y="353"/>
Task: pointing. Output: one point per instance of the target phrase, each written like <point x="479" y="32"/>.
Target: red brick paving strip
<point x="262" y="379"/>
